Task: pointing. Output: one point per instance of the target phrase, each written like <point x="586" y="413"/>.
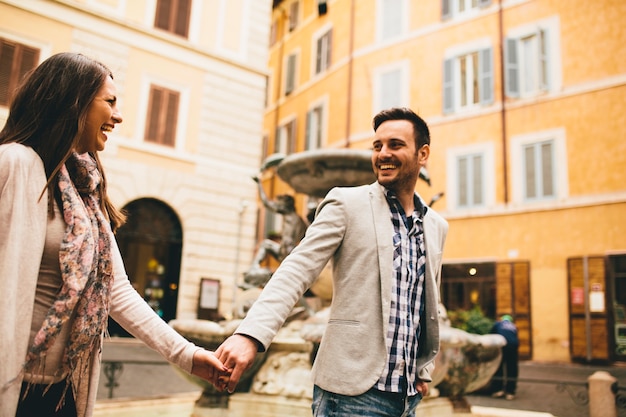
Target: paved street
<point x="534" y="394"/>
<point x="155" y="378"/>
<point x="538" y="389"/>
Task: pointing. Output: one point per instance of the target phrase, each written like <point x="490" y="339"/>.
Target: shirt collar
<point x="420" y="207"/>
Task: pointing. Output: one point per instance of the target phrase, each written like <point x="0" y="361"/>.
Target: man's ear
<point x="423" y="153"/>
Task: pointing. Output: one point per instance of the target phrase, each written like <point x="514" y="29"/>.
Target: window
<point x="162" y="117"/>
<point x="539" y="170"/>
<point x="527" y="65"/>
<point x="539" y="167"/>
<point x="470" y="180"/>
<point x="390" y="86"/>
<point x="285" y="140"/>
<point x="468" y="80"/>
<point x="393" y="18"/>
<point x="451" y="8"/>
<point x="314" y="128"/>
<point x="468" y="285"/>
<point x="15" y="61"/>
<point x="294" y="11"/>
<point x="290" y="79"/>
<point x="532" y="58"/>
<point x="323" y="51"/>
<point x="173" y="16"/>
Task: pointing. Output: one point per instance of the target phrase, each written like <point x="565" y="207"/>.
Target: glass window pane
<point x="475" y="96"/>
<point x="464" y="75"/>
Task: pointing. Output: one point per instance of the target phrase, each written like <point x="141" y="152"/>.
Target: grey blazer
<point x="353" y="227"/>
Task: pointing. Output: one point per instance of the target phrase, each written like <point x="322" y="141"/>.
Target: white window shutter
<point x="390" y="86"/>
<point x="291" y="74"/>
<point x="445" y="9"/>
<point x="329" y="48"/>
<point x="544" y="62"/>
<point x="448" y="86"/>
<point x="511" y="69"/>
<point x="307" y="133"/>
<point x="318" y="55"/>
<point x="486" y="76"/>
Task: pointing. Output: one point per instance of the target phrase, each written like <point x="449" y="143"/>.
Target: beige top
<point x="23" y="231"/>
<point x="48" y="285"/>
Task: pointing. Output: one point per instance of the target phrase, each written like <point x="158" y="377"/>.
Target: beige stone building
<point x="191" y="81"/>
<point x="525" y="100"/>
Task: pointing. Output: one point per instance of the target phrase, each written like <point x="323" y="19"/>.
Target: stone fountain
<point x="279" y="382"/>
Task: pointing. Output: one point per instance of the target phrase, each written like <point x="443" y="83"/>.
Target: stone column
<point x="601" y="396"/>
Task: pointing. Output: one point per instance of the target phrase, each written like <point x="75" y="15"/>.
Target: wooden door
<point x="513" y="297"/>
<point x="587" y="309"/>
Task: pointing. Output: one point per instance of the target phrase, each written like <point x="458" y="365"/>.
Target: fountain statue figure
<point x="293" y="231"/>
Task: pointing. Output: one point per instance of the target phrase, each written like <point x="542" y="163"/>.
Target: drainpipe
<point x="279" y="72"/>
<point x="350" y="59"/>
<point x="505" y="164"/>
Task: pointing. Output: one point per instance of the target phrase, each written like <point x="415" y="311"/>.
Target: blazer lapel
<point x="383" y="230"/>
<point x="432" y="250"/>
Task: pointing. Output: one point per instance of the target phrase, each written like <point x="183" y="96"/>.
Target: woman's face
<point x="102" y="116"/>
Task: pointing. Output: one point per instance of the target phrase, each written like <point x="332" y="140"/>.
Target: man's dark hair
<point x="422" y="134"/>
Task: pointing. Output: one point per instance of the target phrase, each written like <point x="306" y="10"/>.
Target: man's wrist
<point x="259" y="345"/>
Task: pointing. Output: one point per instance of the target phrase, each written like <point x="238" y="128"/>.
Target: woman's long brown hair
<point x="48" y="113"/>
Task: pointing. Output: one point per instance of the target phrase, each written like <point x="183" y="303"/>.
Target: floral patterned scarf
<point x="86" y="271"/>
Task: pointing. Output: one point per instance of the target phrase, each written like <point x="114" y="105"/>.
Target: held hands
<point x="207" y="366"/>
<point x="237" y="353"/>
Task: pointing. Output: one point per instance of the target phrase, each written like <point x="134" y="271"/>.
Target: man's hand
<point x="237" y="353"/>
<point x="207" y="366"/>
<point x="422" y="388"/>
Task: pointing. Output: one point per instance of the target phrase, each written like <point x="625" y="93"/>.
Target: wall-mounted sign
<point x="578" y="296"/>
<point x="596" y="301"/>
<point x="209" y="299"/>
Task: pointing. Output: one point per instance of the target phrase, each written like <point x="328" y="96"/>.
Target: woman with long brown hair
<point x="61" y="272"/>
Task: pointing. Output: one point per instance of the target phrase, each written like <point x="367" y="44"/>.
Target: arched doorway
<point x="151" y="245"/>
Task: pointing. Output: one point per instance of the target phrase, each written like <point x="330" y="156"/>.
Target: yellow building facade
<point x="525" y="101"/>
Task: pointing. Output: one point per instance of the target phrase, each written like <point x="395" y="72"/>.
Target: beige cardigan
<point x="23" y="220"/>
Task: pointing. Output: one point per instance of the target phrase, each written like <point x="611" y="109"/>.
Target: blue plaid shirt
<point x="407" y="298"/>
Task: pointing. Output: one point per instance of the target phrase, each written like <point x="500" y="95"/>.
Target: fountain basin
<point x="315" y="172"/>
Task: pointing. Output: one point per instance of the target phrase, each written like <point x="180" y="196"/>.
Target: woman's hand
<point x="208" y="367"/>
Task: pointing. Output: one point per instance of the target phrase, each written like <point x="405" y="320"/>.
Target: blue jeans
<point x="373" y="403"/>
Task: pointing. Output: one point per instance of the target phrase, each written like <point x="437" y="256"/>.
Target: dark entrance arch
<point x="151" y="244"/>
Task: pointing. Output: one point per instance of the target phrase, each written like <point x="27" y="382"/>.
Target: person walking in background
<point x="61" y="272"/>
<point x="377" y="353"/>
<point x="505" y="378"/>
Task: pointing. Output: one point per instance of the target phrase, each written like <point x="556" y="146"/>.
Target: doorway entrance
<point x="497" y="288"/>
<point x="597" y="307"/>
<point x="151" y="247"/>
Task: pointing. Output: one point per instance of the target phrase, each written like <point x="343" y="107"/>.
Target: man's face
<point x="395" y="161"/>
